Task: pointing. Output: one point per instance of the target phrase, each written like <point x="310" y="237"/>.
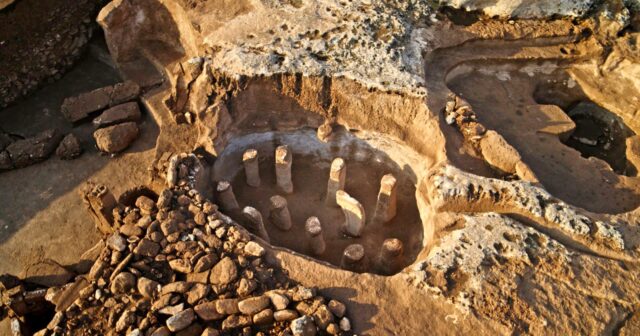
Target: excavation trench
<point x="575" y="147"/>
<point x="368" y="157"/>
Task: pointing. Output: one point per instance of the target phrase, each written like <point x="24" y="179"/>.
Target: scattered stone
<point x="285" y="315"/>
<point x="117" y="242"/>
<point x="303" y="326"/>
<point x="118" y="114"/>
<point x="205" y="263"/>
<point x="345" y="325"/>
<point x="337" y="308"/>
<point x="148" y="288"/>
<point x="224" y="272"/>
<point x="263" y="317"/>
<point x="181" y="320"/>
<point x="123" y="283"/>
<point x="253" y="305"/>
<point x="32" y="150"/>
<point x="254" y="249"/>
<point x="227" y="306"/>
<point x="279" y="301"/>
<point x="147" y="248"/>
<point x="79" y="107"/>
<point x="114" y="139"/>
<point x="207" y="312"/>
<point x="69" y="148"/>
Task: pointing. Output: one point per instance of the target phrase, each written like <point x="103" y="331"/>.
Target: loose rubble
<point x="164" y="272"/>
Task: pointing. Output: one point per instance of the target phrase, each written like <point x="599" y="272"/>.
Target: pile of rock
<point x="489" y="144"/>
<point x="116" y="125"/>
<point x="25" y="152"/>
<point x="178" y="265"/>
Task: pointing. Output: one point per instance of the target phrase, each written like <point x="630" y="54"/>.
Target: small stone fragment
<point x="181" y="320"/>
<point x="303" y="326"/>
<point x="69" y="148"/>
<point x="253" y="305"/>
<point x="114" y="139"/>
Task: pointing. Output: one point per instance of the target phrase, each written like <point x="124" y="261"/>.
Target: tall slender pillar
<point x="284" y="160"/>
<point x="251" y="167"/>
<point x="279" y="213"/>
<point x="226" y="196"/>
<point x="254" y="217"/>
<point x="389" y="260"/>
<point x="354" y="259"/>
<point x="313" y="230"/>
<point x="353" y="213"/>
<point x="337" y="177"/>
<point x="387" y="198"/>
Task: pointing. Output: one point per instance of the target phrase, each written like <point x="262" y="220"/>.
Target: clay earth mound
<point x="293" y="167"/>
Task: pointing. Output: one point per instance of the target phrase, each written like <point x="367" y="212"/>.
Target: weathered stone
<point x="197" y="292"/>
<point x="333" y="329"/>
<point x="210" y="332"/>
<point x="499" y="153"/>
<point x="180" y="320"/>
<point x="69" y="148"/>
<point x="323" y="317"/>
<point x="146" y="205"/>
<point x="172" y="310"/>
<point x="345" y="324"/>
<point x="301" y="293"/>
<point x="246" y="287"/>
<point x="126" y="319"/>
<point x="279" y="301"/>
<point x="227" y="306"/>
<point x="180" y="287"/>
<point x="254" y="249"/>
<point x="148" y="288"/>
<point x="263" y="317"/>
<point x="253" y="305"/>
<point x="147" y="248"/>
<point x="224" y="272"/>
<point x="236" y="321"/>
<point x="117" y="242"/>
<point x="180" y="266"/>
<point x="123" y="283"/>
<point x="207" y="312"/>
<point x="131" y="230"/>
<point x="124" y="92"/>
<point x="337" y="308"/>
<point x="194" y="329"/>
<point x="114" y="139"/>
<point x="285" y="315"/>
<point x="118" y="114"/>
<point x="79" y="107"/>
<point x="162" y="331"/>
<point x="32" y="150"/>
<point x="303" y="326"/>
<point x="205" y="263"/>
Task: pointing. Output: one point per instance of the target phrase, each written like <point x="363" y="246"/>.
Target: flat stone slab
<point x="80" y="107"/>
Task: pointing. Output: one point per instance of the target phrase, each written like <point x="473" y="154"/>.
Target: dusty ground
<point x="548" y="248"/>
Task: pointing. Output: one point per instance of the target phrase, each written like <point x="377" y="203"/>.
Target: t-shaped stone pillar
<point x="251" y="167"/>
<point x="254" y="217"/>
<point x="337" y="176"/>
<point x="313" y="230"/>
<point x="226" y="196"/>
<point x="284" y="160"/>
<point x="389" y="260"/>
<point x="386" y="204"/>
<point x="353" y="213"/>
<point x="353" y="259"/>
<point x="280" y="215"/>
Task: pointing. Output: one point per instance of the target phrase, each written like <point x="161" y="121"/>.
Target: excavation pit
<point x="368" y="157"/>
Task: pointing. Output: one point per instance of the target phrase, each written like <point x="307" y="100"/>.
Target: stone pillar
<point x="389" y="260"/>
<point x="284" y="160"/>
<point x="251" y="167"/>
<point x="254" y="217"/>
<point x="313" y="230"/>
<point x="324" y="132"/>
<point x="337" y="177"/>
<point x="353" y="213"/>
<point x="280" y="215"/>
<point x="226" y="197"/>
<point x="353" y="259"/>
<point x="386" y="204"/>
<point x="100" y="203"/>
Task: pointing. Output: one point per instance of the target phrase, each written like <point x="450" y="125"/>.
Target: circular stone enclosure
<point x="368" y="157"/>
